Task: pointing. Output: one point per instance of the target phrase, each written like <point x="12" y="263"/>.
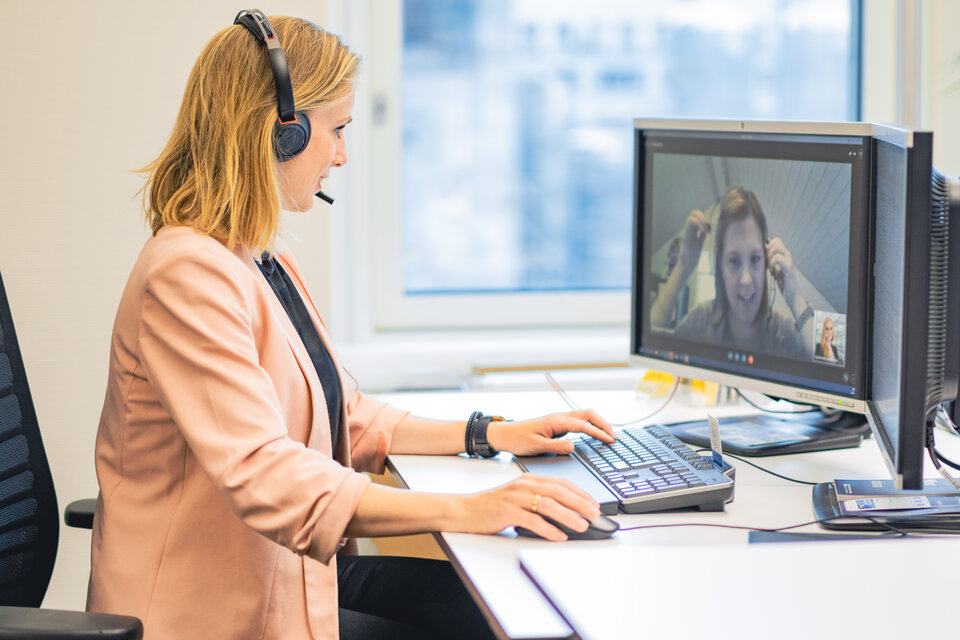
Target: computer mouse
<point x="600" y="528"/>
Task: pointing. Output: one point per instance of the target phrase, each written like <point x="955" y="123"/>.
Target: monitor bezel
<point x="787" y="392"/>
<point x="891" y="133"/>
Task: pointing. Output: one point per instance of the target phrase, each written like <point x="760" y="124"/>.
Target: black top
<point x="322" y="362"/>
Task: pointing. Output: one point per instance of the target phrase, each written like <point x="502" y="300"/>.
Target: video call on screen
<point x="747" y="225"/>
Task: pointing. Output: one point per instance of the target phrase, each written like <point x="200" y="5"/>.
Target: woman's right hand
<point x="517" y="504"/>
<point x="694" y="234"/>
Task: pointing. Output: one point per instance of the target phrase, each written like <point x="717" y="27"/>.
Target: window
<point x="502" y="136"/>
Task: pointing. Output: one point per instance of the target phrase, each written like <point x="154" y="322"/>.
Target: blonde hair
<point x="218" y="172"/>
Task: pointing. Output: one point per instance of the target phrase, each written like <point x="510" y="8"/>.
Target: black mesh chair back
<point x="29" y="515"/>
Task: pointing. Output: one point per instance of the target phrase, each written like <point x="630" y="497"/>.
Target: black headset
<point x="291" y="132"/>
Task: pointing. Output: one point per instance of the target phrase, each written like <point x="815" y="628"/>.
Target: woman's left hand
<point x="543" y="435"/>
<point x="780" y="263"/>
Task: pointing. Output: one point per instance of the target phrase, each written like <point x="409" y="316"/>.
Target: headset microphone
<point x="291" y="132"/>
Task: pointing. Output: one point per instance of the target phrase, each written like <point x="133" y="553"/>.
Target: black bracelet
<point x="468" y="434"/>
<point x="480" y="444"/>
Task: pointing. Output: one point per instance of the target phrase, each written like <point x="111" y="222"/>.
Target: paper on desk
<point x="715" y="444"/>
<point x="941" y="504"/>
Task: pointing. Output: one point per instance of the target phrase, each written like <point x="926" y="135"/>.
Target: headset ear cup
<point x="291" y="138"/>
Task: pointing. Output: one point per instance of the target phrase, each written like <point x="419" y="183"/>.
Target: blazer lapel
<point x="294" y="274"/>
<point x="317" y="402"/>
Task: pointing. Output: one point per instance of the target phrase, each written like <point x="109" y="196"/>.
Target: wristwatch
<point x="480" y="445"/>
<point x="804" y="316"/>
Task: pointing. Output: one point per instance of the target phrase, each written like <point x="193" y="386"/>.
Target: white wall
<point x="90" y="92"/>
<point x="929" y="73"/>
<point x="940" y="81"/>
<point x="879" y="62"/>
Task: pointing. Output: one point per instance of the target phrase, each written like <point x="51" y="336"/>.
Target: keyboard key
<point x="671" y="487"/>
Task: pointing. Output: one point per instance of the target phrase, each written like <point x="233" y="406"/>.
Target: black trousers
<point x="400" y="598"/>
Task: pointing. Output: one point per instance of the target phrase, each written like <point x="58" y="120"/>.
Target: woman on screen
<point x="825" y="349"/>
<point x="232" y="445"/>
<point x="741" y="315"/>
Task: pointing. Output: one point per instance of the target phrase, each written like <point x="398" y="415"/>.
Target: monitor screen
<point x="888" y="334"/>
<point x="751" y="255"/>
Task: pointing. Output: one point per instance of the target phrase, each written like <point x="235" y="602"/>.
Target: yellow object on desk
<point x="700" y="392"/>
<point x="656" y="383"/>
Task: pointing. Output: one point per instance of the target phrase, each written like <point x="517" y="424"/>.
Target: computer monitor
<point x="867" y="223"/>
<point x="751" y="264"/>
<point x="915" y="347"/>
<point x="915" y="335"/>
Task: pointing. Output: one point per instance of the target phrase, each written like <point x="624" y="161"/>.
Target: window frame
<point x="367" y="298"/>
<point x="392" y="308"/>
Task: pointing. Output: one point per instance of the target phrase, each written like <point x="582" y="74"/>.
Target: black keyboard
<point x="649" y="469"/>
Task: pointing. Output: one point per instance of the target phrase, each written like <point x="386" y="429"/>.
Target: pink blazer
<point x="221" y="504"/>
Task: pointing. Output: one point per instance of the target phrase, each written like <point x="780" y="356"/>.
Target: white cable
<point x="573" y="405"/>
<point x="942" y="468"/>
<point x="943" y="419"/>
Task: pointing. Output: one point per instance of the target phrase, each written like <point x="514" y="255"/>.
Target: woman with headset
<point x="231" y="443"/>
<point x="741" y="315"/>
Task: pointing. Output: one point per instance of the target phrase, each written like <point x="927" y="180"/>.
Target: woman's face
<point x="743" y="264"/>
<point x="301" y="177"/>
<point x="828" y="330"/>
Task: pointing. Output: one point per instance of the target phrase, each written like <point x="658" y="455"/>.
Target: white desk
<point x="882" y="590"/>
<point x="490" y="564"/>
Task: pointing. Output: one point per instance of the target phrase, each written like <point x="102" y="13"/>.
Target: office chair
<point x="29" y="517"/>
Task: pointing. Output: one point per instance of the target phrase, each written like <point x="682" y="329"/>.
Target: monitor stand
<point x="782" y="433"/>
<point x="829" y="516"/>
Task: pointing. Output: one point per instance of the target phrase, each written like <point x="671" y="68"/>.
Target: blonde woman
<point x="825" y="348"/>
<point x="231" y="443"/>
<point x="741" y="314"/>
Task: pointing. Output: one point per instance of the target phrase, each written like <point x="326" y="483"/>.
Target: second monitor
<point x="751" y="254"/>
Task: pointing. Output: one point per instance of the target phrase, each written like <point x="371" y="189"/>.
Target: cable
<point x="890" y="528"/>
<point x="945" y="460"/>
<point x="573" y="405"/>
<point x="936" y="457"/>
<point x="758" y="407"/>
<point x="563" y="394"/>
<point x="952" y="428"/>
<point x="944" y="420"/>
<point x="765" y="470"/>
